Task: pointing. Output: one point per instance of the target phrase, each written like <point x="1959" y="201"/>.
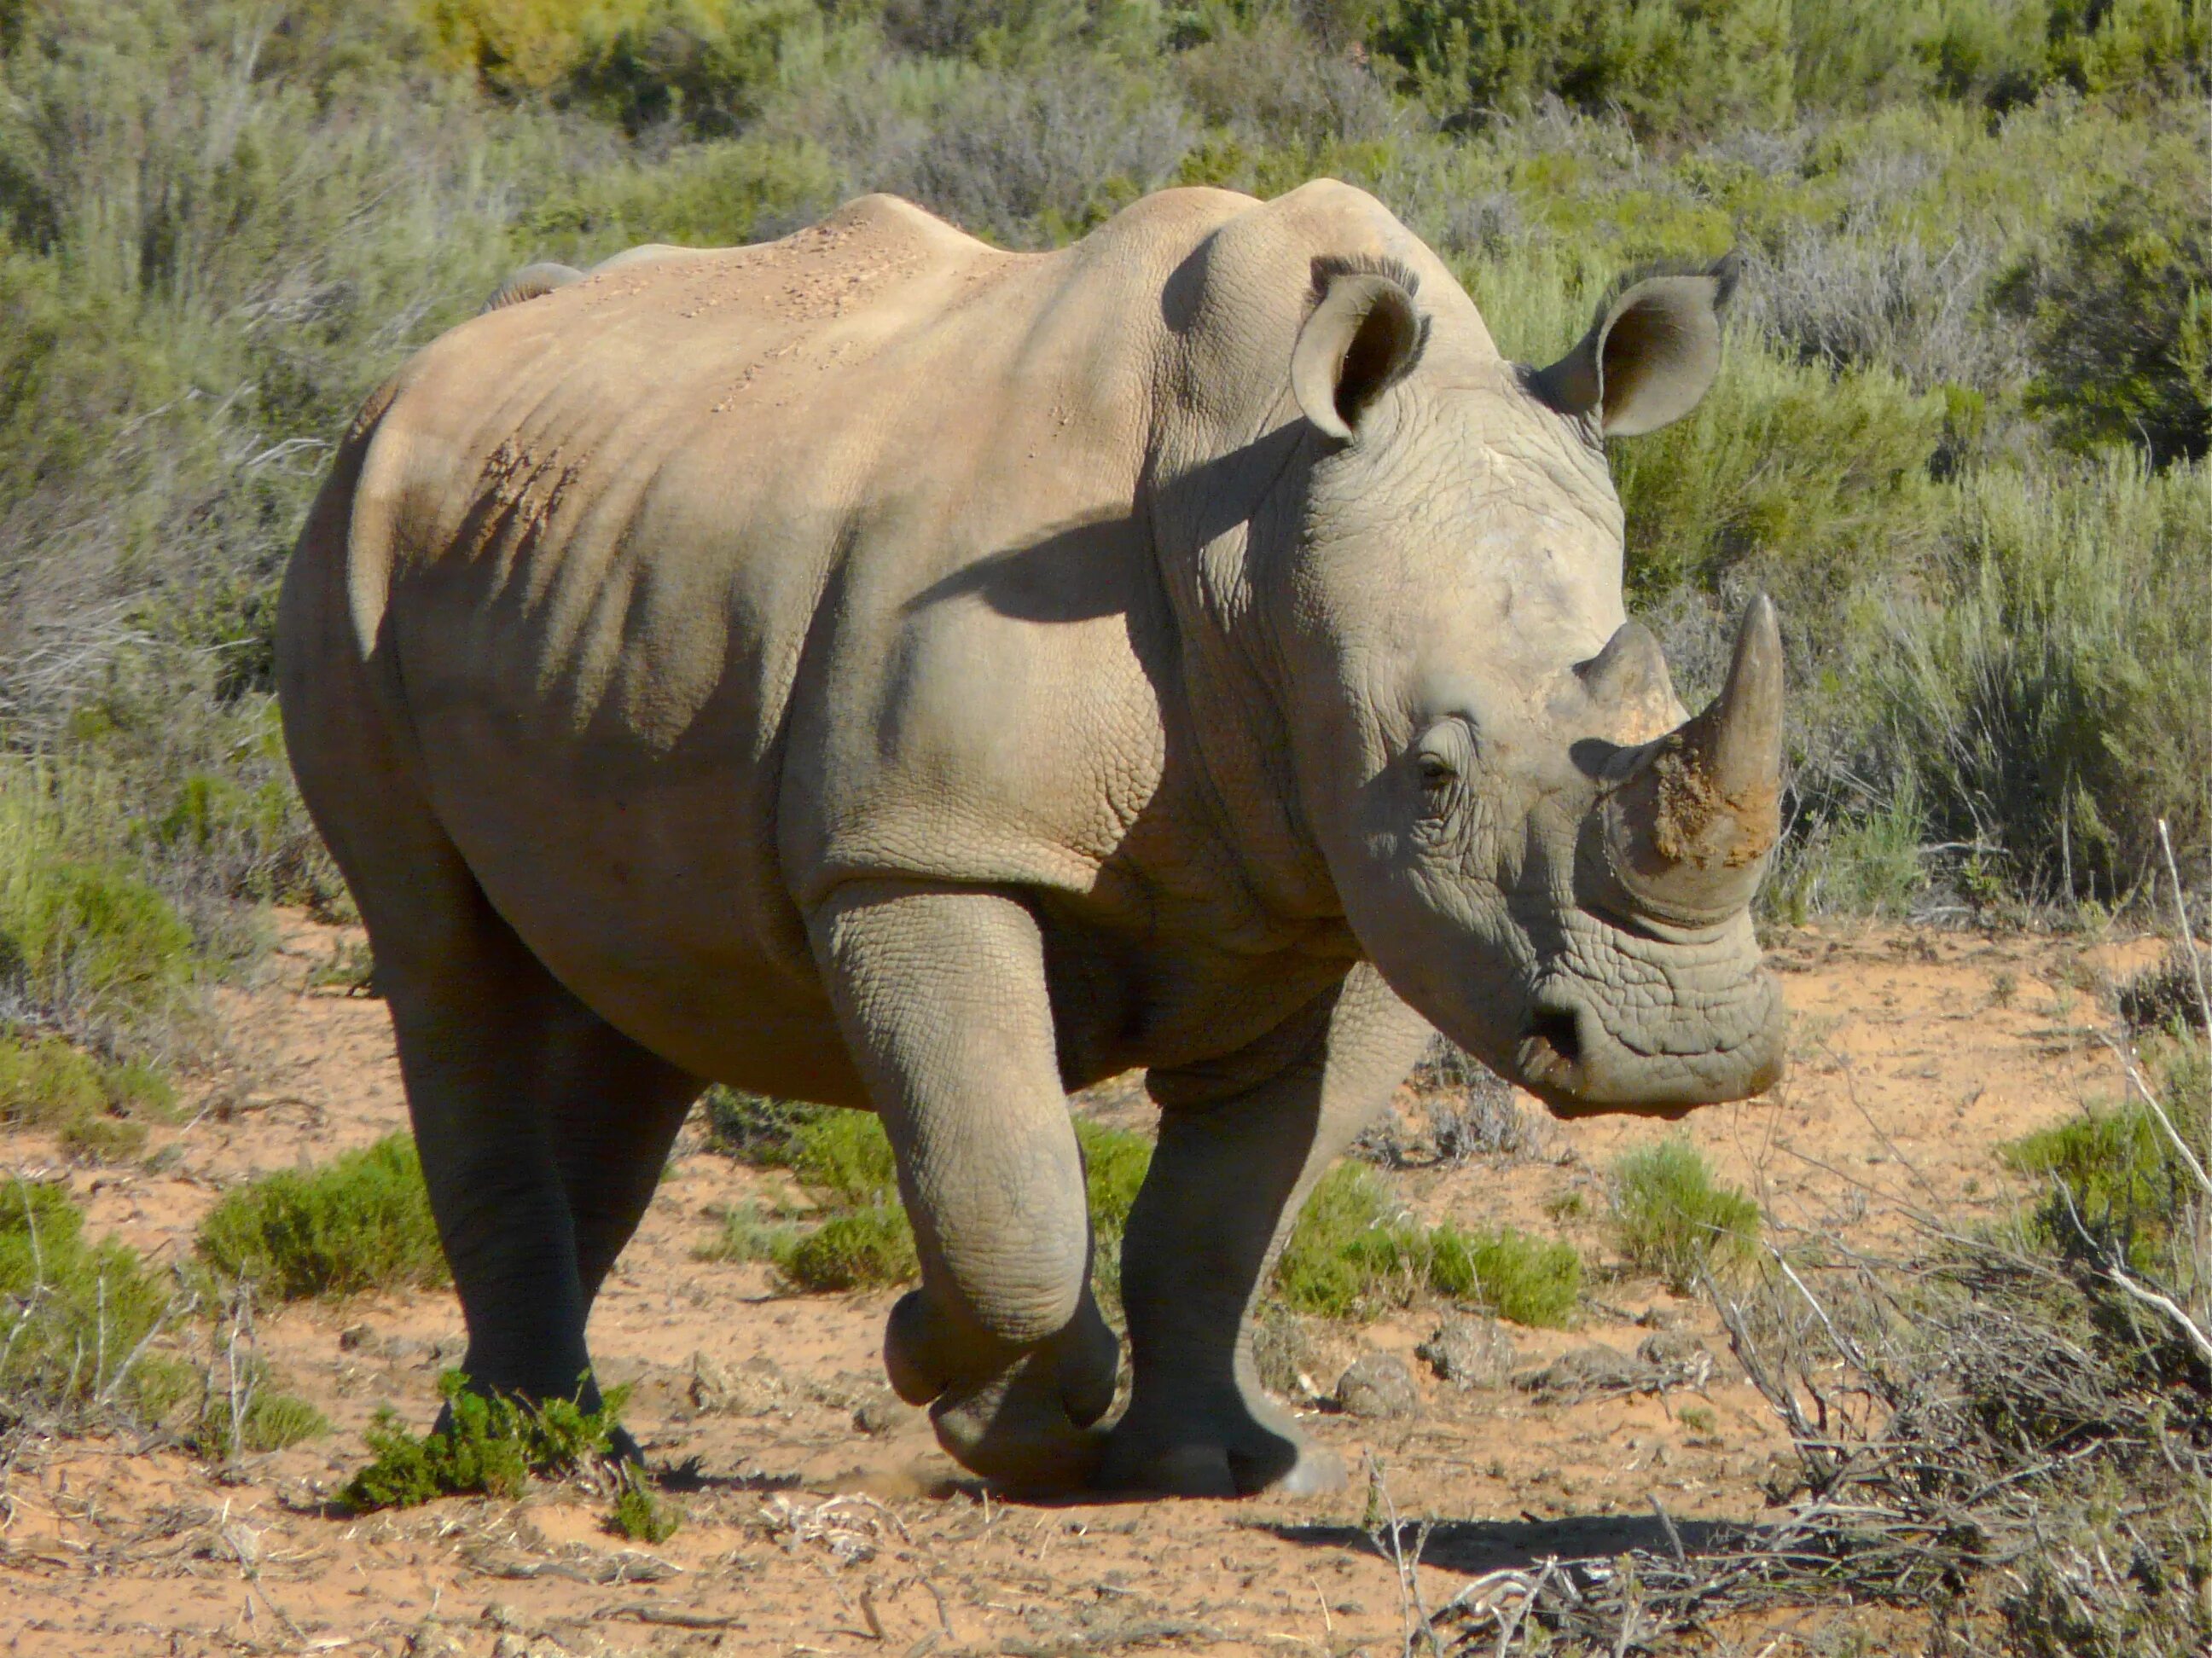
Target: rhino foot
<point x="1021" y="1417"/>
<point x="1256" y="1460"/>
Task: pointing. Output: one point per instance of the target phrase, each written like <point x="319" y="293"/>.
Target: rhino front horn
<point x="1689" y="818"/>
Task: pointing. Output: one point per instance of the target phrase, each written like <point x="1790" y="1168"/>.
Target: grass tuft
<point x="858" y="1248"/>
<point x="1671" y="1219"/>
<point x="98" y="1109"/>
<point x="359" y="1223"/>
<point x="1353" y="1252"/>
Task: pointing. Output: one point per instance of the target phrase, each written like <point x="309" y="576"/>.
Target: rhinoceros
<point x="876" y="668"/>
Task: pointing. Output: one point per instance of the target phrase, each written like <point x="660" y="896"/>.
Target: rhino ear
<point x="1363" y="337"/>
<point x="1649" y="356"/>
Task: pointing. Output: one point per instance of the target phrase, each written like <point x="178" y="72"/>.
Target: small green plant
<point x="2116" y="1181"/>
<point x="1521" y="1279"/>
<point x="1671" y="1219"/>
<point x="1353" y="1251"/>
<point x="1114" y="1165"/>
<point x="749" y="1234"/>
<point x="256" y="1418"/>
<point x="861" y="1238"/>
<point x="492" y="1444"/>
<point x="1700" y="1420"/>
<point x="76" y="1319"/>
<point x="99" y="1108"/>
<point x="861" y="1249"/>
<point x="361" y="1221"/>
<point x="640" y="1516"/>
<point x="2003" y="987"/>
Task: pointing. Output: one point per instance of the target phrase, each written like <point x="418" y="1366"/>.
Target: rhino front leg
<point x="942" y="997"/>
<point x="1235" y="1164"/>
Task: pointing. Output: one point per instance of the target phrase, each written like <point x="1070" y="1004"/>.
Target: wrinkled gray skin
<point x="877" y="668"/>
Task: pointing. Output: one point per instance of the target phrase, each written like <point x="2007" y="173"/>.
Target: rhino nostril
<point x="1557" y="1030"/>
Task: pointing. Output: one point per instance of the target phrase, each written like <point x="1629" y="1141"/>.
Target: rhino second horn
<point x="1693" y="815"/>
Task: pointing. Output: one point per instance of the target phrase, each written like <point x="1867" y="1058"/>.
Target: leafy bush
<point x="1670" y="1218"/>
<point x="361" y="1221"/>
<point x="2119" y="318"/>
<point x="492" y="1445"/>
<point x="1353" y="1252"/>
<point x="1667" y="63"/>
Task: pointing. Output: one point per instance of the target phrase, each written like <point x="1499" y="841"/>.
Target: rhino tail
<point x="531" y="281"/>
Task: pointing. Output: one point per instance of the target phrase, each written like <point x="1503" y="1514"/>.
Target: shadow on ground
<point x="1476" y="1546"/>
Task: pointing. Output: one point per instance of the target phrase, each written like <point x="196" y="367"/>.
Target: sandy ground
<point x="1916" y="1054"/>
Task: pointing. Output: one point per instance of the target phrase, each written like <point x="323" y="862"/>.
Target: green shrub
<point x="1668" y="65"/>
<point x="640" y="1516"/>
<point x="1523" y="1280"/>
<point x="845" y="1157"/>
<point x="1352" y="1252"/>
<point x="858" y="1248"/>
<point x="76" y="1318"/>
<point x="2119" y="317"/>
<point x="246" y="1413"/>
<point x="1114" y="1165"/>
<point x="361" y="1221"/>
<point x="754" y="1128"/>
<point x="748" y="1235"/>
<point x="492" y="1445"/>
<point x="99" y="1108"/>
<point x="2116" y="1180"/>
<point x="2047" y="689"/>
<point x="1671" y="1220"/>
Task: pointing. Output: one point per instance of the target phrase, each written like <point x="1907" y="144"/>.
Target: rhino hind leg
<point x="542" y="1131"/>
<point x="1227" y="1180"/>
<point x="942" y="996"/>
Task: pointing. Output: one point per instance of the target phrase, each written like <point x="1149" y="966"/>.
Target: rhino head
<point x="1532" y="840"/>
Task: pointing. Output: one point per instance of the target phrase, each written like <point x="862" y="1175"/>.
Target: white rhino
<point x="876" y="668"/>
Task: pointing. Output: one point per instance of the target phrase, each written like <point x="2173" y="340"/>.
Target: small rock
<point x="355" y="1337"/>
<point x="431" y="1642"/>
<point x="1378" y="1385"/>
<point x="1594" y="1369"/>
<point x="885" y="1413"/>
<point x="1469" y="1352"/>
<point x="500" y="1615"/>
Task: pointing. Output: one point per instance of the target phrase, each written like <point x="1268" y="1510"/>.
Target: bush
<point x="98" y="1107"/>
<point x="857" y="1248"/>
<point x="359" y="1223"/>
<point x="2048" y="690"/>
<point x="1668" y="64"/>
<point x="492" y="1446"/>
<point x="1671" y="1219"/>
<point x="2117" y="1183"/>
<point x="2119" y="319"/>
<point x="76" y="1319"/>
<point x="1352" y="1252"/>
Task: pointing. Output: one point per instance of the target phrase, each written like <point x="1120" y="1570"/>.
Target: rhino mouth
<point x="1571" y="1057"/>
